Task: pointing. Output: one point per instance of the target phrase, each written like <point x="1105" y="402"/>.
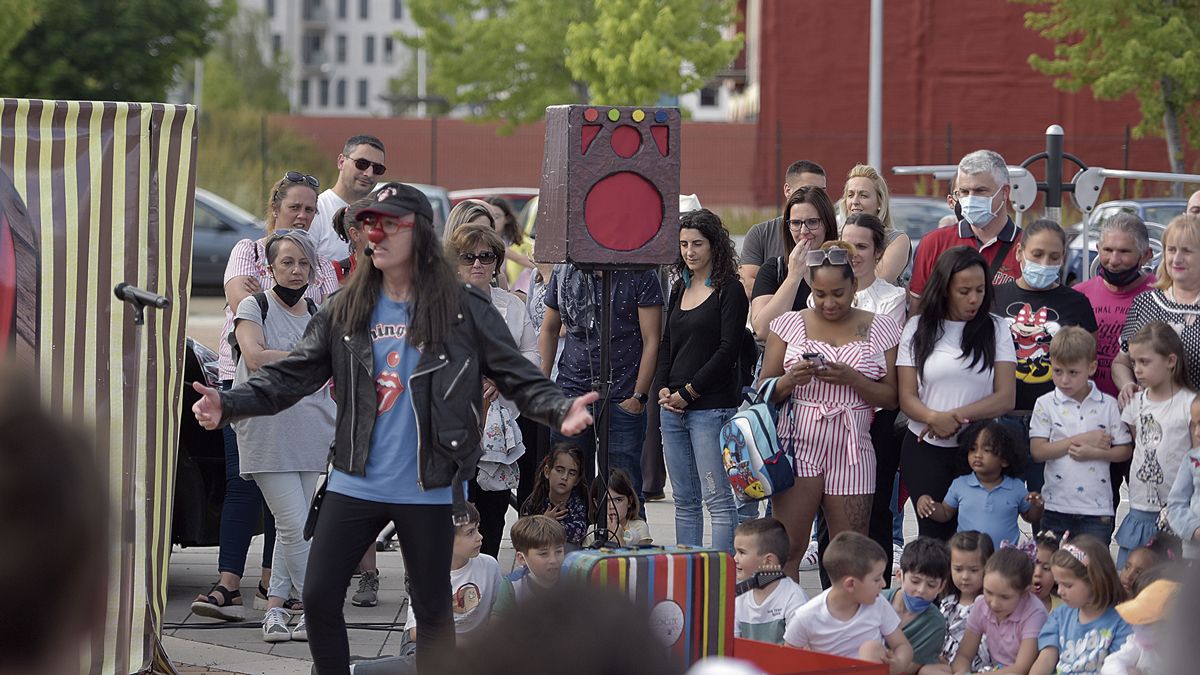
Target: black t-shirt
<point x="770" y="278"/>
<point x="1034" y="317"/>
<point x="701" y="345"/>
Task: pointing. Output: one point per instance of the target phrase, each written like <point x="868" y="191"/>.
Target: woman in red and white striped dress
<point x="836" y="364"/>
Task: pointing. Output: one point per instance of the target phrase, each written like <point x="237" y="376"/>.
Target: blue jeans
<point x="1100" y="527"/>
<point x="626" y="436"/>
<point x="692" y="447"/>
<point x="239" y="515"/>
<point x="897" y="514"/>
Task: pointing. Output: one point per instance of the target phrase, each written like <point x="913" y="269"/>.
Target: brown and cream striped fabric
<point x="108" y="188"/>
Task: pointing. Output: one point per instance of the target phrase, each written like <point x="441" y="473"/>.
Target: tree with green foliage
<point x="238" y="75"/>
<point x="16" y="18"/>
<point x="1148" y="48"/>
<point x="512" y="58"/>
<point x="108" y="50"/>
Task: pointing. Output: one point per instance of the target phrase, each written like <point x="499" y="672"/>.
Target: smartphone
<point x="817" y="359"/>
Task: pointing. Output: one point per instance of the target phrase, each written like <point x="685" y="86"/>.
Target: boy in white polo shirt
<point x="1077" y="431"/>
<point x="851" y="619"/>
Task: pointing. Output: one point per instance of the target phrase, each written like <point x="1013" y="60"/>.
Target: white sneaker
<point x="275" y="625"/>
<point x="809" y="562"/>
<point x="300" y="630"/>
<point x="897" y="551"/>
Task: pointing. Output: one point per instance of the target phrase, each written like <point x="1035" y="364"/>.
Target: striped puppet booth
<point x="93" y="194"/>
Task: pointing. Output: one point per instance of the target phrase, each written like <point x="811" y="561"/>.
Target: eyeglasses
<point x="486" y="258"/>
<point x="835" y="255"/>
<point x="388" y="224"/>
<point x="810" y="224"/>
<point x="362" y="164"/>
<point x="297" y="177"/>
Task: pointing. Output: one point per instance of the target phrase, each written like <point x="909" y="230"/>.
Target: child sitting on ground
<point x="990" y="493"/>
<point x="1046" y="543"/>
<point x="1076" y="429"/>
<point x="540" y="542"/>
<point x="762" y="613"/>
<point x="1142" y="653"/>
<point x="622" y="524"/>
<point x="474" y="581"/>
<point x="969" y="553"/>
<point x="1007" y="614"/>
<point x="561" y="492"/>
<point x="850" y="618"/>
<point x="1162" y="548"/>
<point x="924" y="569"/>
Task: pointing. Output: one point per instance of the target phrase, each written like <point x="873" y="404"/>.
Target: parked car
<point x="517" y="196"/>
<point x="1156" y="212"/>
<point x="199" y="459"/>
<point x="218" y="224"/>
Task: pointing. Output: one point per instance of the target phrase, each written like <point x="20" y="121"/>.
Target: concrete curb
<point x="230" y="659"/>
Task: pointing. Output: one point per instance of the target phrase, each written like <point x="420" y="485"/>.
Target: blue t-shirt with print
<point x="575" y="295"/>
<point x="994" y="511"/>
<point x="1082" y="647"/>
<point x="391" y="471"/>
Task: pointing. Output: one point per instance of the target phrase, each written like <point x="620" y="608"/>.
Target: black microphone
<point x="368" y="251"/>
<point x="134" y="295"/>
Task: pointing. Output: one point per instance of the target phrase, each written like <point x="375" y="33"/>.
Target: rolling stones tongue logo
<point x="388" y="386"/>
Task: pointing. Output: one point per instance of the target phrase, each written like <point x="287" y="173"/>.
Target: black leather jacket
<point x="445" y="390"/>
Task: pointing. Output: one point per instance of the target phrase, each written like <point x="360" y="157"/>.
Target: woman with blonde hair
<point x="867" y="192"/>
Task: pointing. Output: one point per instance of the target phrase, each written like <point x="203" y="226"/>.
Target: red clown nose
<point x="376" y="235"/>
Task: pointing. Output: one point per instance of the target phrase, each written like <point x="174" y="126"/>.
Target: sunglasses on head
<point x="297" y="177"/>
<point x="486" y="258"/>
<point x="835" y="256"/>
<point x="362" y="164"/>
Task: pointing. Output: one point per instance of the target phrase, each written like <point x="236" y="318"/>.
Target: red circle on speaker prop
<point x="590" y="114"/>
<point x="623" y="212"/>
<point x="625" y="141"/>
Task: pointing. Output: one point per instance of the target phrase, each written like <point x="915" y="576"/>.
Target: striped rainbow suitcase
<point x="689" y="592"/>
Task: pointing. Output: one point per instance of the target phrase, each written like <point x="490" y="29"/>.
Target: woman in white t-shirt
<point x="956" y="363"/>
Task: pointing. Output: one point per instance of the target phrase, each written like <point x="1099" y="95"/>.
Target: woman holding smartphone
<point x="836" y="364"/>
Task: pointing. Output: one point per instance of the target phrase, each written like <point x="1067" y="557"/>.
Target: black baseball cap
<point x="396" y="200"/>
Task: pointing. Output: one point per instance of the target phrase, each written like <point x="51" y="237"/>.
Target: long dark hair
<point x="724" y="259"/>
<point x="541" y="485"/>
<point x="979" y="334"/>
<point x="809" y="194"/>
<point x="511" y="227"/>
<point x="435" y="291"/>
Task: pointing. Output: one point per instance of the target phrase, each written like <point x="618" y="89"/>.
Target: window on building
<point x="362" y="93"/>
<point x="341" y="93"/>
<point x="341" y="49"/>
<point x="397" y="9"/>
<point x="389" y="49"/>
<point x="364" y="9"/>
<point x="271" y="8"/>
<point x="342" y="8"/>
<point x="276" y="45"/>
<point x="304" y="94"/>
<point x="324" y="92"/>
<point x="313" y="44"/>
<point x="369" y="50"/>
<point x="708" y="97"/>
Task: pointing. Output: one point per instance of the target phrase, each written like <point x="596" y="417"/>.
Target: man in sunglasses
<point x="360" y="165"/>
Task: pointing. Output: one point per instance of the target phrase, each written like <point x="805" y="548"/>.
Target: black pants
<point x="537" y="446"/>
<point x="887" y="461"/>
<point x="345" y="529"/>
<point x="492" y="505"/>
<point x="928" y="470"/>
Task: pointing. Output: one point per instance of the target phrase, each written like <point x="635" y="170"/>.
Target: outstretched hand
<point x="208" y="408"/>
<point x="578" y="418"/>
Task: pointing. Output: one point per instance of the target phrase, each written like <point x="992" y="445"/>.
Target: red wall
<point x="717" y="162"/>
<point x="945" y="62"/>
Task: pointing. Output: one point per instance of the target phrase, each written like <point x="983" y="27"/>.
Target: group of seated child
<point x="963" y="607"/>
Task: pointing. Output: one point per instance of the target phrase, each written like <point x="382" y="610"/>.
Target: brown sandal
<point x="227" y="606"/>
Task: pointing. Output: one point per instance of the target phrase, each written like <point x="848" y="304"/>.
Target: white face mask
<point x="977" y="210"/>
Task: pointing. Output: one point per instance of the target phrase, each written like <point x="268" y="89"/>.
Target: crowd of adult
<point x="434" y="367"/>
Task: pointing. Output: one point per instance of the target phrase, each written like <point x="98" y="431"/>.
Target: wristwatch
<point x="640" y="397"/>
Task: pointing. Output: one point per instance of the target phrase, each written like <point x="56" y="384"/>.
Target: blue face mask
<point x="1038" y="276"/>
<point x="978" y="210"/>
<point x="915" y="605"/>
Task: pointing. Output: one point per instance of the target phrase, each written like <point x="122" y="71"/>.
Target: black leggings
<point x="492" y="506"/>
<point x="928" y="469"/>
<point x="346" y="528"/>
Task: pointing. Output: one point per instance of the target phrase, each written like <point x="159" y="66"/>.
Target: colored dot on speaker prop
<point x="614" y="114"/>
<point x="660" y="116"/>
<point x="590" y="114"/>
<point x="638" y="115"/>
